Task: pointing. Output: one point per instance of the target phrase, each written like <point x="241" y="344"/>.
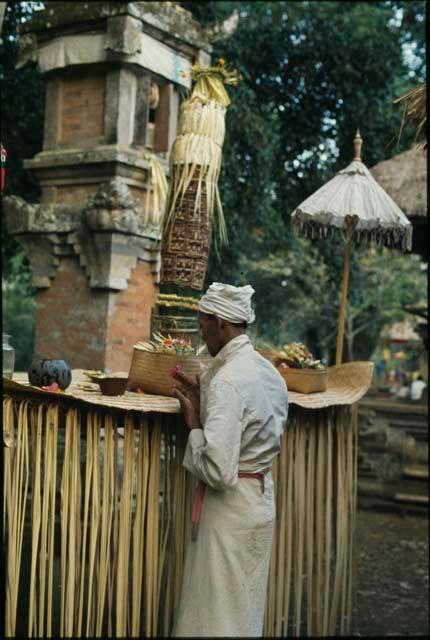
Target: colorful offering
<point x="297" y="356"/>
<point x="168" y="345"/>
<point x="53" y="388"/>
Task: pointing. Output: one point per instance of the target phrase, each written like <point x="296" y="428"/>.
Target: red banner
<point x="3" y="165"/>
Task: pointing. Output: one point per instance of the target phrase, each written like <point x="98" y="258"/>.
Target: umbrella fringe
<point x="393" y="237"/>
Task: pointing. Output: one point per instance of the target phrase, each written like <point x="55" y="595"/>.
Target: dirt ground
<point x="392" y="575"/>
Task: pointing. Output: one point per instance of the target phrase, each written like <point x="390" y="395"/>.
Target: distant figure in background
<point x="392" y="382"/>
<point x="381" y="368"/>
<point x="417" y="388"/>
<point x="398" y="377"/>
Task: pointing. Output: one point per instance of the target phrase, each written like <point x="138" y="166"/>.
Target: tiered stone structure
<point x="114" y="72"/>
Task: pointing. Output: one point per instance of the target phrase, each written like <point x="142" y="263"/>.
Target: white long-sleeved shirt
<point x="417" y="388"/>
<point x="243" y="411"/>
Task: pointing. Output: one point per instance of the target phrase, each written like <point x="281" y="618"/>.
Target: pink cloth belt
<point x="200" y="492"/>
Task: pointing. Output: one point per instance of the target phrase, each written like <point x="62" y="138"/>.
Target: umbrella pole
<point x="343" y="296"/>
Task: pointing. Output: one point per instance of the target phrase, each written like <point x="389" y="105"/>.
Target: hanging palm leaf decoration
<point x="156" y="191"/>
<point x="415" y="110"/>
<point x="193" y="203"/>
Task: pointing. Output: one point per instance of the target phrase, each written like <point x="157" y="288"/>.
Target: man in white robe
<point x="236" y="414"/>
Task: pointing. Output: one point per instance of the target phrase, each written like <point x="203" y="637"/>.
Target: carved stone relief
<point x="106" y="235"/>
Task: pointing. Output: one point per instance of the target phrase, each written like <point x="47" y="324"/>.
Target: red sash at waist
<point x="200" y="492"/>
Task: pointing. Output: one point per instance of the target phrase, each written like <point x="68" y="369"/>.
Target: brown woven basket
<point x="305" y="380"/>
<point x="151" y="371"/>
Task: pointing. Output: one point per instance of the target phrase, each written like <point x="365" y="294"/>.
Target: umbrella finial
<point x="358" y="141"/>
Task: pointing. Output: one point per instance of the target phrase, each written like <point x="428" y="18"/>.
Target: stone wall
<point x="96" y="329"/>
<point x="129" y="317"/>
<point x="71" y="318"/>
<point x="82" y="100"/>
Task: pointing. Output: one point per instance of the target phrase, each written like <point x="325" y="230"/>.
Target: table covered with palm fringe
<point x="97" y="510"/>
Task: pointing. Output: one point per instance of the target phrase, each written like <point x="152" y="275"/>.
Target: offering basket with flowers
<point x="301" y="371"/>
<point x="154" y="363"/>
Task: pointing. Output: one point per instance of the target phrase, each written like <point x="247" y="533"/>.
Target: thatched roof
<point x="404" y="178"/>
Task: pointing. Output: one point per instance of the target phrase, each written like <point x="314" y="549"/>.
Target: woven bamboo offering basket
<point x="305" y="380"/>
<point x="150" y="371"/>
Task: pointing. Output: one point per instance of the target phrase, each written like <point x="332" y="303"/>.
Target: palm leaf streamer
<point x="415" y="110"/>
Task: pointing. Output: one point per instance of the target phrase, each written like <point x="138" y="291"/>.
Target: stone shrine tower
<point x="114" y="78"/>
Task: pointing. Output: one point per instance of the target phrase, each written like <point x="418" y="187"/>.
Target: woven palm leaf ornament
<point x="156" y="191"/>
<point x="193" y="203"/>
<point x="415" y="111"/>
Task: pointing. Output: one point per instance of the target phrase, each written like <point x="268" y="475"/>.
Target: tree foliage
<point x="21" y="121"/>
<point x="22" y="136"/>
<point x="388" y="283"/>
<point x="18" y="311"/>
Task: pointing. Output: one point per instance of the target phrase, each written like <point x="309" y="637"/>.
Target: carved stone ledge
<point x="25" y="217"/>
<point x="123" y="35"/>
<point x="106" y="235"/>
<point x="109" y="258"/>
<point x="43" y="261"/>
<point x="167" y="19"/>
<point x="102" y="153"/>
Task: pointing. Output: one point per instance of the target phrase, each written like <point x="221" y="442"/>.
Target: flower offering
<point x="179" y="346"/>
<point x="297" y="356"/>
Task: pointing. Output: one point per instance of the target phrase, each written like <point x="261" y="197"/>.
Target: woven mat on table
<point x="347" y="383"/>
<point x="130" y="401"/>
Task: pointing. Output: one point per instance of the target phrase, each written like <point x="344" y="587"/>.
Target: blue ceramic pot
<point x="43" y="373"/>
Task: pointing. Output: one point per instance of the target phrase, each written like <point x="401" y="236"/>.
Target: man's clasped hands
<point x="187" y="391"/>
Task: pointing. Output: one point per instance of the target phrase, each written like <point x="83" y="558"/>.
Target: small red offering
<point x="175" y="370"/>
<point x="54" y="387"/>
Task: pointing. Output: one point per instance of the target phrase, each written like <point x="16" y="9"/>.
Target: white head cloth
<point x="228" y="302"/>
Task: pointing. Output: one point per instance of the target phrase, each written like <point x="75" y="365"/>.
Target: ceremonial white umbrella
<point x="355" y="205"/>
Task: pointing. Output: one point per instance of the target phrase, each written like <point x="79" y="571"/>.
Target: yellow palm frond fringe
<point x="173" y="300"/>
<point x="156" y="191"/>
<point x="102" y="501"/>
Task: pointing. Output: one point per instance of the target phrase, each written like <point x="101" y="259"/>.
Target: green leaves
<point x="22" y="135"/>
<point x="21" y="119"/>
<point x="19" y="309"/>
